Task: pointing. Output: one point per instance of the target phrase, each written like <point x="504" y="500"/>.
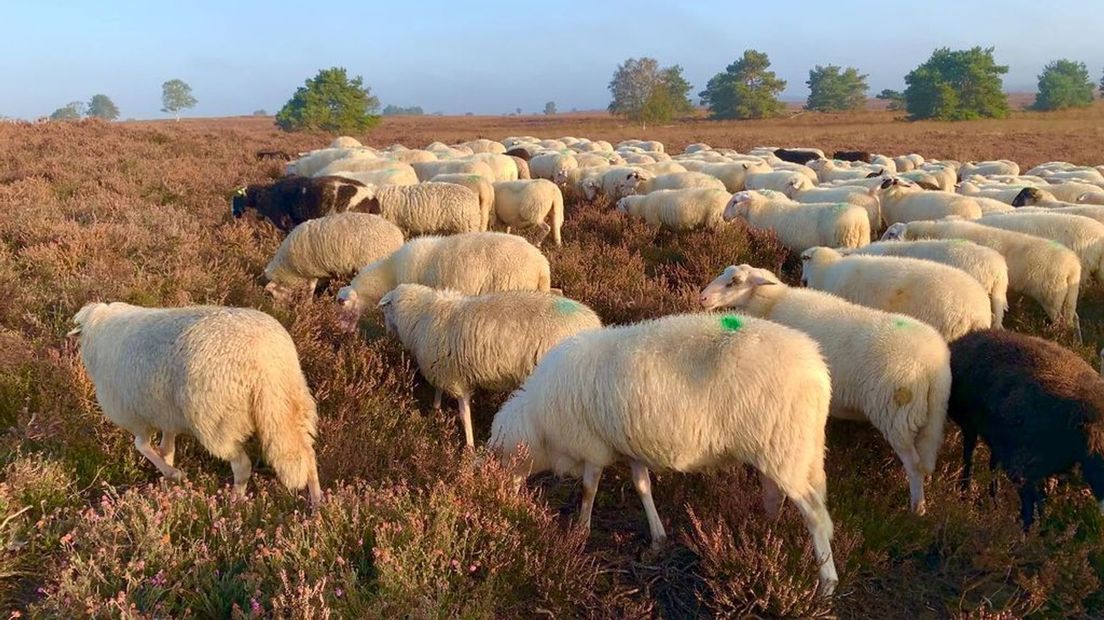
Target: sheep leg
<point x="772" y="496"/>
<point x="591" y="475"/>
<point x="819" y="524"/>
<point x="544" y="229"/>
<point x="142" y="443"/>
<point x="643" y="483"/>
<point x="311" y="285"/>
<point x="969" y="444"/>
<point x="465" y="418"/>
<point x="994" y="482"/>
<point x="436" y="398"/>
<point x="1028" y="498"/>
<point x="168" y="447"/>
<point x="910" y="458"/>
<point x="242" y="468"/>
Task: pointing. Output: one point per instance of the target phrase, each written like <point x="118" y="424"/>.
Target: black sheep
<point x="293" y="200"/>
<point x="1038" y="406"/>
<point x="863" y="156"/>
<point x="796" y="156"/>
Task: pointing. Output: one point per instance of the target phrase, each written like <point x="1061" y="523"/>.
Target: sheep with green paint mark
<point x="888" y="369"/>
<point x="528" y="204"/>
<point x="490" y="342"/>
<point x="946" y="298"/>
<point x="1083" y="235"/>
<point x="686" y="393"/>
<point x="800" y="226"/>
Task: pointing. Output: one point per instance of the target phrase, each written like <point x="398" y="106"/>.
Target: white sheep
<point x="503" y="167"/>
<point x="984" y="168"/>
<point x="1094" y="212"/>
<point x="786" y="181"/>
<point x="471" y="263"/>
<point x="483" y="145"/>
<point x="331" y="246"/>
<point x="1074" y="191"/>
<point x="490" y="342"/>
<point x="1016" y="195"/>
<point x="985" y="265"/>
<point x="527" y="204"/>
<point x="903" y="201"/>
<point x="888" y="369"/>
<point x="678" y="209"/>
<point x="734" y="174"/>
<point x="412" y="156"/>
<point x="310" y="163"/>
<point x="946" y="298"/>
<point x="345" y="142"/>
<point x="1047" y="272"/>
<point x="429" y="169"/>
<point x="482" y="188"/>
<point x="615" y="182"/>
<point x="427" y="208"/>
<point x="394" y="174"/>
<point x="1083" y="235"/>
<point x="549" y="165"/>
<point x="684" y="393"/>
<point x="218" y="374"/>
<point x="800" y="226"/>
<point x="676" y="180"/>
<point x="854" y="195"/>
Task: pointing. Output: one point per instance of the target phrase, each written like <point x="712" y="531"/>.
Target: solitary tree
<point x="1064" y="84"/>
<point x="833" y="90"/>
<point x="746" y="89"/>
<point x="71" y="111"/>
<point x="550" y="108"/>
<point x="895" y="98"/>
<point x="957" y="85"/>
<point x="101" y="106"/>
<point x="645" y="93"/>
<point x="176" y="95"/>
<point x="332" y="102"/>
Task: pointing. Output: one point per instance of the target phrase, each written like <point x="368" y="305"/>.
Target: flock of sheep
<point x="899" y="332"/>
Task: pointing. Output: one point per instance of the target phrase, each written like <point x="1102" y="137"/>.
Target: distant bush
<point x="71" y="111"/>
<point x="394" y="110"/>
<point x="331" y="102"/>
<point x="957" y="85"/>
<point x="895" y="98"/>
<point x="101" y="106"/>
<point x="1064" y="84"/>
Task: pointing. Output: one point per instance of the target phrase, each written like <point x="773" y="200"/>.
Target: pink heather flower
<point x="255" y="606"/>
<point x="339" y="593"/>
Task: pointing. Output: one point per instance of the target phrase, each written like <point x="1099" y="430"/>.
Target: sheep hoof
<point x="920" y="508"/>
<point x="175" y="476"/>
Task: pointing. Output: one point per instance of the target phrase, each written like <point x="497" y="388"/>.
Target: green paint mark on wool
<point x="731" y="323"/>
<point x="902" y="323"/>
<point x="1056" y="244"/>
<point x="564" y="305"/>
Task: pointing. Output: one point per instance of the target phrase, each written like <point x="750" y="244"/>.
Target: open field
<point x="139" y="212"/>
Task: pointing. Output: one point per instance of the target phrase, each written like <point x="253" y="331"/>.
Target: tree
<point x="394" y="110"/>
<point x="176" y="95"/>
<point x="71" y="111"/>
<point x="645" y="93"/>
<point x="332" y="102"/>
<point x="746" y="89"/>
<point x="101" y="106"/>
<point x="1064" y="84"/>
<point x="957" y="85"/>
<point x="895" y="98"/>
<point x="833" y="90"/>
<point x="550" y="108"/>
<point x="260" y="112"/>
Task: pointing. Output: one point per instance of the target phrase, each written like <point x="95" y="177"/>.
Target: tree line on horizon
<point x="950" y="85"/>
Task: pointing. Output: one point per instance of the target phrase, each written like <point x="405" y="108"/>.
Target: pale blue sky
<point x="490" y="57"/>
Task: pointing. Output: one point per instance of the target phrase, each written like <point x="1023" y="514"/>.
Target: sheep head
<point x="735" y="287"/>
<point x="738" y="206"/>
<point x="815" y="258"/>
<point x="896" y="232"/>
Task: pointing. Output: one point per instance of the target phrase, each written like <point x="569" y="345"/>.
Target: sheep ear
<point x="887" y="183"/>
<point x="385" y="300"/>
<point x="758" y="279"/>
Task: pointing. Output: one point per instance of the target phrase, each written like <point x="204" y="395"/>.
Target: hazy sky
<point x="491" y="57"/>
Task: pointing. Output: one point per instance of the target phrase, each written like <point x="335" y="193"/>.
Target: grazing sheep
<point x="734" y="175"/>
<point x="429" y="169"/>
<point x="684" y="393"/>
<point x="903" y="201"/>
<point x="985" y="265"/>
<point x="800" y="226"/>
<point x="290" y="201"/>
<point x="1017" y="196"/>
<point x="786" y="181"/>
<point x="471" y="263"/>
<point x="1093" y="212"/>
<point x="335" y="245"/>
<point x="358" y="164"/>
<point x="522" y="166"/>
<point x="482" y="188"/>
<point x="1083" y="235"/>
<point x="677" y="180"/>
<point x="863" y="156"/>
<point x="1047" y="272"/>
<point x="853" y="195"/>
<point x="395" y="174"/>
<point x="828" y="170"/>
<point x="678" y="209"/>
<point x="798" y="156"/>
<point x="616" y="182"/>
<point x="1039" y="408"/>
<point x="489" y="342"/>
<point x="1073" y="191"/>
<point x="427" y="208"/>
<point x="549" y="165"/>
<point x="986" y="168"/>
<point x="946" y="298"/>
<point x="527" y="204"/>
<point x="309" y="164"/>
<point x="483" y="145"/>
<point x="218" y="374"/>
<point x="502" y="166"/>
<point x="886" y="368"/>
<point x="345" y="142"/>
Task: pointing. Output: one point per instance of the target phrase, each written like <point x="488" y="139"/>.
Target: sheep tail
<point x="286" y="420"/>
<point x="930" y="437"/>
<point x="557" y="216"/>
